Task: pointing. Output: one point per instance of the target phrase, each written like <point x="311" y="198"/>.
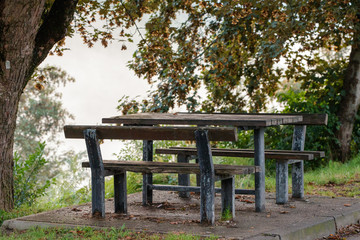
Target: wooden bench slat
<point x="307" y="118"/>
<point x="204" y="119"/>
<point x="163" y="167"/>
<point x="317" y="154"/>
<point x="244" y="153"/>
<point x="151" y="133"/>
<point x="196" y="189"/>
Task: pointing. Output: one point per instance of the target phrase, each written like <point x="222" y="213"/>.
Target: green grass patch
<point x="90" y="233"/>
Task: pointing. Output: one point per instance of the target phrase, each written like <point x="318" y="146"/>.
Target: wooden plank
<point x="317" y="154"/>
<point x="176" y="188"/>
<point x="207" y="178"/>
<point x="308" y="118"/>
<point x="298" y="155"/>
<point x="150" y="133"/>
<point x="163" y="167"/>
<point x="242" y="120"/>
<point x="97" y="173"/>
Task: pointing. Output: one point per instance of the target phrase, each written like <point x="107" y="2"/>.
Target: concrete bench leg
<point x="207" y="181"/>
<point x="120" y="193"/>
<point x="97" y="173"/>
<point x="259" y="160"/>
<point x="298" y="168"/>
<point x="147" y="178"/>
<point x="184" y="179"/>
<point x="228" y="196"/>
<point x="282" y="186"/>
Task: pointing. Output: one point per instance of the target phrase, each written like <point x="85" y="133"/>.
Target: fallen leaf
<point x="170" y="209"/>
<point x="284" y="212"/>
<point x="347" y="205"/>
<point x="247" y="201"/>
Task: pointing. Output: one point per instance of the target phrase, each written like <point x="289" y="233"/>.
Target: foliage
<point x="236" y="53"/>
<point x="230" y="48"/>
<point x="71" y="186"/>
<point x="320" y="92"/>
<point x="41" y="115"/>
<point x="26" y="174"/>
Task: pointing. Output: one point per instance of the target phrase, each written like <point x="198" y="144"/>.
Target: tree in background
<point x="40" y="120"/>
<point x="41" y="115"/>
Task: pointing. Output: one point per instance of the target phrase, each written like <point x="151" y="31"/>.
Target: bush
<point x="26" y="175"/>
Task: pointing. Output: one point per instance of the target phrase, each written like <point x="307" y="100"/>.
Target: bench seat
<point x="283" y="157"/>
<point x="165" y="167"/>
<point x="223" y="173"/>
<point x="269" y="154"/>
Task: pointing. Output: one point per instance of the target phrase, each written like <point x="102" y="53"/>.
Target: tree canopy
<point x="237" y="50"/>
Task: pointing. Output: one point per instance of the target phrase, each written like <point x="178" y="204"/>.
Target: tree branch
<point x="53" y="29"/>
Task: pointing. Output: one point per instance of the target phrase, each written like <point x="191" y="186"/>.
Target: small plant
<point x="26" y="174"/>
<point x="226" y="215"/>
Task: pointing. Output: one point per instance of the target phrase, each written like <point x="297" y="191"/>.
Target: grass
<point x="335" y="179"/>
<point x="226" y="215"/>
<point x="95" y="234"/>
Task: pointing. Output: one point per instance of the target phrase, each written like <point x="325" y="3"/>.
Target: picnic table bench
<point x="150" y="126"/>
<point x="184" y="154"/>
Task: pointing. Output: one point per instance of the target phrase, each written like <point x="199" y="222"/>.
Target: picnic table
<point x="255" y="122"/>
<point x="155" y="126"/>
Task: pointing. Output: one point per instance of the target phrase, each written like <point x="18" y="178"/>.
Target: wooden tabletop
<point x="237" y="120"/>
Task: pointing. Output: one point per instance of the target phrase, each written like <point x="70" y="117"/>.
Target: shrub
<point x="26" y="175"/>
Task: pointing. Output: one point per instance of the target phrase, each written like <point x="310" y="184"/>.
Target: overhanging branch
<point x="53" y="29"/>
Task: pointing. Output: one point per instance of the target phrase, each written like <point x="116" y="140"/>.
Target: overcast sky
<point x="102" y="78"/>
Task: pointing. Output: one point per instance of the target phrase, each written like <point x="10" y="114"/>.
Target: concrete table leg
<point x="282" y="185"/>
<point x="259" y="159"/>
<point x="120" y="193"/>
<point x="228" y="196"/>
<point x="147" y="178"/>
<point x="298" y="168"/>
<point x="97" y="172"/>
<point x="207" y="178"/>
<point x="184" y="179"/>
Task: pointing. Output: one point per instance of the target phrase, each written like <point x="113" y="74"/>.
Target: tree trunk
<point x="8" y="109"/>
<point x="350" y="102"/>
<point x="26" y="37"/>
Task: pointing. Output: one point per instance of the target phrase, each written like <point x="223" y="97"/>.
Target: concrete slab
<point x="311" y="218"/>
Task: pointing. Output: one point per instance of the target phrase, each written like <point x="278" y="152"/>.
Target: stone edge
<point x="320" y="227"/>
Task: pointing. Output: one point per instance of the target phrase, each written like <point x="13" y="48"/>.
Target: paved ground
<point x="311" y="218"/>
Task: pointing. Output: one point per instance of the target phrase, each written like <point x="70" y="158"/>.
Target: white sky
<point x="102" y="78"/>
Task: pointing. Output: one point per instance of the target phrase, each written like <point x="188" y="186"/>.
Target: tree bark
<point x="350" y="102"/>
<point x="26" y="37"/>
